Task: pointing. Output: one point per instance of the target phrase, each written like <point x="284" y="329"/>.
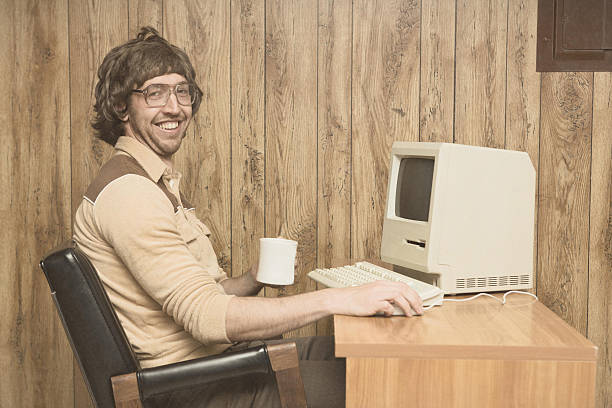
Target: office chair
<point x="111" y="371"/>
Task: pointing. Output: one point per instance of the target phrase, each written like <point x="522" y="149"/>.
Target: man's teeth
<point x="168" y="125"/>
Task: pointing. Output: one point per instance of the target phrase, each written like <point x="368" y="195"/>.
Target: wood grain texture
<point x="334" y="129"/>
<point x="290" y="388"/>
<point x="125" y="391"/>
<point x="479" y="353"/>
<point x="35" y="207"/>
<point x="143" y="13"/>
<point x="93" y="33"/>
<point x="285" y="364"/>
<point x="389" y="383"/>
<point x="283" y="356"/>
<point x="437" y="71"/>
<point x="481" y="73"/>
<point x="385" y="108"/>
<point x="248" y="138"/>
<point x="202" y="29"/>
<point x="563" y="219"/>
<point x="600" y="240"/>
<point x="523" y="92"/>
<point x="522" y="329"/>
<point x="291" y="134"/>
<point x="523" y="83"/>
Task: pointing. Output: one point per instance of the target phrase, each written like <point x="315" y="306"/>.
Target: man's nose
<point x="172" y="105"/>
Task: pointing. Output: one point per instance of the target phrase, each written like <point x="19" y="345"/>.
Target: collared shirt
<point x="154" y="258"/>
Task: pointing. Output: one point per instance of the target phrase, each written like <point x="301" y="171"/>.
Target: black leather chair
<point x="107" y="361"/>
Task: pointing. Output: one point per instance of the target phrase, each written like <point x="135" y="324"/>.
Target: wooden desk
<point x="475" y="354"/>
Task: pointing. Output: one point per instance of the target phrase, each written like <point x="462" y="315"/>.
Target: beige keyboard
<point x="365" y="272"/>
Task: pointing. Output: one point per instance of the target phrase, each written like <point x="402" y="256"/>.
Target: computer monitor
<point x="460" y="217"/>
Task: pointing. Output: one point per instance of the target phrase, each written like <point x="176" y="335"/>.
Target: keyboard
<point x="365" y="272"/>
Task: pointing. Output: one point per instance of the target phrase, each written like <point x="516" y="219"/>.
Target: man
<point x="155" y="258"/>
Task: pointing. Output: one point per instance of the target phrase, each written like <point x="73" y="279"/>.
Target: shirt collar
<point x="149" y="161"/>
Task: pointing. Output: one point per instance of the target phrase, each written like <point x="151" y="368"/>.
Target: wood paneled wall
<point x="302" y="101"/>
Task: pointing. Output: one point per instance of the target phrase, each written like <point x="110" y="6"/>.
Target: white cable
<point x="503" y="300"/>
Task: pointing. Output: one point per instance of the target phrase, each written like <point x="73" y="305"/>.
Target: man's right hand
<point x="378" y="297"/>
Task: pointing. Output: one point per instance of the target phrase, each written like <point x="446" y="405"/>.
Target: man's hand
<point x="377" y="297"/>
<point x="243" y="285"/>
<point x="253" y="274"/>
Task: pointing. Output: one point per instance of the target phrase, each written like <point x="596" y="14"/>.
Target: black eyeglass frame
<point x="193" y="92"/>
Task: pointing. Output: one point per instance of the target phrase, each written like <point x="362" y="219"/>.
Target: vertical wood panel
<point x="523" y="82"/>
<point x="385" y="93"/>
<point x="9" y="316"/>
<point x="563" y="220"/>
<point x="600" y="242"/>
<point x="437" y="71"/>
<point x="248" y="172"/>
<point x="481" y="69"/>
<point x="523" y="90"/>
<point x="145" y="13"/>
<point x="334" y="128"/>
<point x="35" y="207"/>
<point x="95" y="28"/>
<point x="291" y="133"/>
<point x="203" y="30"/>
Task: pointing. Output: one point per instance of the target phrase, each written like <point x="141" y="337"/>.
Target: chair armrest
<point x="125" y="391"/>
<point x="130" y="389"/>
<point x="172" y="377"/>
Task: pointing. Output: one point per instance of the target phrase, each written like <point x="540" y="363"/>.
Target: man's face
<point x="162" y="128"/>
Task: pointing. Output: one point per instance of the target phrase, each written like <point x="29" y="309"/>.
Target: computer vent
<point x="493" y="281"/>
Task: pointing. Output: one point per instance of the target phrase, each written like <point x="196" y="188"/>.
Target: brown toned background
<point x="302" y="101"/>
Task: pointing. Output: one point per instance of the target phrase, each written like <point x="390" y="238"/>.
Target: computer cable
<point x="503" y="300"/>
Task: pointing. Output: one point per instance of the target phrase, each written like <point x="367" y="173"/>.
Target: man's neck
<point x="167" y="160"/>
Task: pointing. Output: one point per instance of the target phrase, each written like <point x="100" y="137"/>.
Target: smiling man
<point x="155" y="258"/>
<point x="161" y="129"/>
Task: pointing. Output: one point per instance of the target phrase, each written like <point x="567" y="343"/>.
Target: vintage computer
<point x="460" y="217"/>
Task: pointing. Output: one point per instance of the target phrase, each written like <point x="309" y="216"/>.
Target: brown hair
<point x="127" y="67"/>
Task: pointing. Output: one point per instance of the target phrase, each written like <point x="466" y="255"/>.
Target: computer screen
<point x="413" y="190"/>
<point x="460" y="217"/>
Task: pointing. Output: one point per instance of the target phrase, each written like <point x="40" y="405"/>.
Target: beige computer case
<point x="479" y="236"/>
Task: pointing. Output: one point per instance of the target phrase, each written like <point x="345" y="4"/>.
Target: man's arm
<point x="250" y="318"/>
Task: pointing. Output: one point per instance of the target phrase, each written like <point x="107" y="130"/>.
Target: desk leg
<point x="389" y="382"/>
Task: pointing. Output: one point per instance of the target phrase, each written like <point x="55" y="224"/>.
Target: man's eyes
<point x="155" y="91"/>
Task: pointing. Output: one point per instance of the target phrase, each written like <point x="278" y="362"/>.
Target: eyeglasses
<point x="156" y="95"/>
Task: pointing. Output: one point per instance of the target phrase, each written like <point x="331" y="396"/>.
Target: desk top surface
<point x="482" y="328"/>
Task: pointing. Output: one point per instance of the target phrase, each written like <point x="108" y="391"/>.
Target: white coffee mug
<point x="276" y="261"/>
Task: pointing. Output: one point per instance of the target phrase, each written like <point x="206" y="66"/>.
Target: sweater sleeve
<point x="136" y="218"/>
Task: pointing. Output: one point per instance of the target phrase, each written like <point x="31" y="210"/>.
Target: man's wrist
<point x="329" y="300"/>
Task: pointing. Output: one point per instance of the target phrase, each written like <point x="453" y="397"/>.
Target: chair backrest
<point x="97" y="338"/>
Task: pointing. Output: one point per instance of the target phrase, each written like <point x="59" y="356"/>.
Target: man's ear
<point x="122" y="112"/>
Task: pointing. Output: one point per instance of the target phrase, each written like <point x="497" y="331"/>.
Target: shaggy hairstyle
<point x="127" y="67"/>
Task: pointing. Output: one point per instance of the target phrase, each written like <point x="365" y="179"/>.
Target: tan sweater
<point x="154" y="258"/>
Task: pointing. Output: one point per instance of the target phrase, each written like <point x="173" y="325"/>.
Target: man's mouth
<point x="168" y="125"/>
